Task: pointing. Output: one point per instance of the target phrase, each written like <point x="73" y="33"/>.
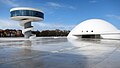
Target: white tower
<point x="26" y="16"/>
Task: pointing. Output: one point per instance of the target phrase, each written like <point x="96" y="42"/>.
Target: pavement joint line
<point x="107" y="56"/>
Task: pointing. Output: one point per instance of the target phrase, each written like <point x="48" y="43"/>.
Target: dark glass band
<point x="27" y="13"/>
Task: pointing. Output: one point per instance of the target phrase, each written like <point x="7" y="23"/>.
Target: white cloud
<point x="52" y="4"/>
<point x="71" y="7"/>
<point x="9" y="24"/>
<point x="93" y="1"/>
<point x="10" y="3"/>
<point x="57" y="5"/>
<point x="113" y="16"/>
<point x="46" y="26"/>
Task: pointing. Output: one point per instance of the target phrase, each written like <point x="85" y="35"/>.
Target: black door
<point x="91" y="36"/>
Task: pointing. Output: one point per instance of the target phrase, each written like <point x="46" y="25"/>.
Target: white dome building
<point x="95" y="28"/>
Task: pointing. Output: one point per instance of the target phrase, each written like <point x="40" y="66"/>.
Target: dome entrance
<point x="93" y="36"/>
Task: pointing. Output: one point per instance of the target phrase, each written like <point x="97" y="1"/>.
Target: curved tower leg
<point x="27" y="31"/>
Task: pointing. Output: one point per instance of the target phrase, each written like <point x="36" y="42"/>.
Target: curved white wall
<point x="33" y="19"/>
<point x="95" y="26"/>
<point x="25" y="8"/>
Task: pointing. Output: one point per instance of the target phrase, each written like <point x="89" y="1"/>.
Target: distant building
<point x="11" y="33"/>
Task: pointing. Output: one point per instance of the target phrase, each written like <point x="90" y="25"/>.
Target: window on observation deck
<point x="27" y="13"/>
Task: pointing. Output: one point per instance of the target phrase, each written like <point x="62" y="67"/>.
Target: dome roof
<point x="93" y="26"/>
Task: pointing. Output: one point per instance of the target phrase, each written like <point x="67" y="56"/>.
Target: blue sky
<point x="62" y="14"/>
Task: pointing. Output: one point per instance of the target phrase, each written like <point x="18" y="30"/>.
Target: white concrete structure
<point x="95" y="28"/>
<point x="26" y="16"/>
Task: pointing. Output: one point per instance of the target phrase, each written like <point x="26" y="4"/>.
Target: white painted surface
<point x="98" y="26"/>
<point x="25" y="8"/>
<point x="19" y="18"/>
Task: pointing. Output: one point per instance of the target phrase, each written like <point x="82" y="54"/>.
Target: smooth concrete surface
<point x="59" y="53"/>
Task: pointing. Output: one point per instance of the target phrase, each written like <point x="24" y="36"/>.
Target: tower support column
<point x="28" y="33"/>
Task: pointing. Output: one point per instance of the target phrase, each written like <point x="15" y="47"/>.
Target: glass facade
<point x="27" y="13"/>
